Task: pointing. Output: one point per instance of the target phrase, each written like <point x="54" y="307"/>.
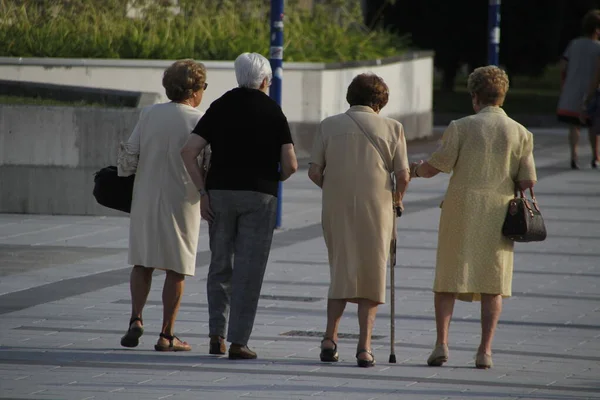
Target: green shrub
<point x="203" y="30"/>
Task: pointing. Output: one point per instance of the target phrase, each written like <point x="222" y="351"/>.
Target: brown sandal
<point x="172" y="347"/>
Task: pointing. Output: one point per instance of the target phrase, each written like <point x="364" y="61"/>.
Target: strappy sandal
<point x="365" y="363"/>
<point x="329" y="355"/>
<point x="172" y="346"/>
<point x="134" y="333"/>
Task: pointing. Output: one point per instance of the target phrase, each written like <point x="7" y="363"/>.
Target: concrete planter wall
<point x="48" y="154"/>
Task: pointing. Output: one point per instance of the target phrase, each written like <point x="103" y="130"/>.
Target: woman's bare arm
<point x="189" y="153"/>
<point x="289" y="163"/>
<point x="423" y="169"/>
<point x="315" y="173"/>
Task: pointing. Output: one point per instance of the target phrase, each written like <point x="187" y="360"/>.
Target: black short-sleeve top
<point x="245" y="129"/>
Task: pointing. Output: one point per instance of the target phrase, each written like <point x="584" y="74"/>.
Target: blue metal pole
<point x="276" y="56"/>
<point x="494" y="32"/>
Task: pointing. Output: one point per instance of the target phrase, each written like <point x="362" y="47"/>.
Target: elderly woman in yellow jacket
<point x="489" y="154"/>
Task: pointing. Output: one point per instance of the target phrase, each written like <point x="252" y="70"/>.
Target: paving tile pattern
<point x="64" y="303"/>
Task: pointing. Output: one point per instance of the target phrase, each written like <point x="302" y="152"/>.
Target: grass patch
<point x="37" y="101"/>
<point x="217" y="30"/>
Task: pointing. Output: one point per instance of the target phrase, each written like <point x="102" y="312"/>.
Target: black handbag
<point x="524" y="222"/>
<point x="113" y="191"/>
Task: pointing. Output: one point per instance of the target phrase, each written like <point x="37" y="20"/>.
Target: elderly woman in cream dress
<point x="353" y="157"/>
<point x="165" y="211"/>
<point x="489" y="156"/>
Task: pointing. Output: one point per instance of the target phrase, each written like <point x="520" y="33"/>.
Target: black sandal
<point x="133" y="335"/>
<point x="365" y="363"/>
<point x="329" y="355"/>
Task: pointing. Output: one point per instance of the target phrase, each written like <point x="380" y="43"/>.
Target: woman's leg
<point x="335" y="310"/>
<point x="367" y="309"/>
<point x="573" y="141"/>
<point x="491" y="307"/>
<point x="140" y="282"/>
<point x="171" y="297"/>
<point x="444" y="306"/>
<point x="593" y="132"/>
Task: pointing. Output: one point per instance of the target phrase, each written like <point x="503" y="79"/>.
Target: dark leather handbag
<point x="113" y="191"/>
<point x="524" y="222"/>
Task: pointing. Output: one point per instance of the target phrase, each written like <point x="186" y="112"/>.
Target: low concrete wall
<point x="69" y="93"/>
<point x="311" y="92"/>
<point x="48" y="154"/>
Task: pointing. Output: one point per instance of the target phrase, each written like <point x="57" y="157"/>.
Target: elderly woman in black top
<point x="252" y="150"/>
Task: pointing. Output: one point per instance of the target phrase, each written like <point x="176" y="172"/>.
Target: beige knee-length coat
<point x="357" y="216"/>
<point x="165" y="212"/>
<point x="486" y="153"/>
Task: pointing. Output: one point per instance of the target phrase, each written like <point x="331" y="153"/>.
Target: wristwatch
<point x="202" y="192"/>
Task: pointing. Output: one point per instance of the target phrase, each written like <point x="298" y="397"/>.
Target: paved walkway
<point x="64" y="303"/>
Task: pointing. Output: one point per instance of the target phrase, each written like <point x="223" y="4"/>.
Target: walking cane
<point x="392" y="300"/>
<point x="397" y="213"/>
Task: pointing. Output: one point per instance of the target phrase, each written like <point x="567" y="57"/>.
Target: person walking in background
<point x="249" y="138"/>
<point x="165" y="212"/>
<point x="352" y="158"/>
<point x="579" y="64"/>
<point x="489" y="156"/>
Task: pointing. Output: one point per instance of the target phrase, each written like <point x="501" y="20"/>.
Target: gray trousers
<point x="240" y="242"/>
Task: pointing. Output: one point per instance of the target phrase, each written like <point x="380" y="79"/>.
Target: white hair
<point x="251" y="69"/>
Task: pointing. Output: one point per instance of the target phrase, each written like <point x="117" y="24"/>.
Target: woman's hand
<point x="423" y="169"/>
<point x="397" y="199"/>
<point x="413" y="169"/>
<point x="205" y="210"/>
<point x="524" y="185"/>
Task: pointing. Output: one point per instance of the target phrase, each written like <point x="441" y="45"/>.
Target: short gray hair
<point x="251" y="69"/>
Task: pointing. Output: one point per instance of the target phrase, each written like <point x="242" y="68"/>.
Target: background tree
<point x="530" y="35"/>
<point x="452" y="29"/>
<point x="534" y="33"/>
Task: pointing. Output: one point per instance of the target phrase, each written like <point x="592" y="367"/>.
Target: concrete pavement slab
<point x="64" y="303"/>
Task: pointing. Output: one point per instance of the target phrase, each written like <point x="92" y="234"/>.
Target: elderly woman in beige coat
<point x="165" y="211"/>
<point x="354" y="159"/>
<point x="489" y="155"/>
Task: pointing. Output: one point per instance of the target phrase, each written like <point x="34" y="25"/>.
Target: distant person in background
<point x="579" y="65"/>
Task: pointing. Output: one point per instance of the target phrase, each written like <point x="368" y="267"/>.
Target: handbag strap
<point x="390" y="170"/>
<point x="533" y="199"/>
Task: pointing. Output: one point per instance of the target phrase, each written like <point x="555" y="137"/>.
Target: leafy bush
<point x="203" y="30"/>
